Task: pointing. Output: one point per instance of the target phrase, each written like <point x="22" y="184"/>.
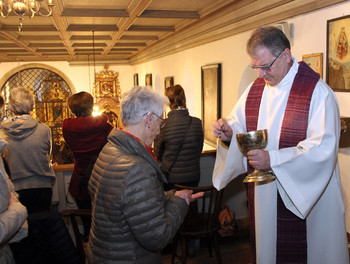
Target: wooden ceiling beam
<point x="89" y="50"/>
<point x="81" y="45"/>
<point x="126" y="37"/>
<point x="169" y="14"/>
<point x="13" y="50"/>
<point x="82" y="12"/>
<point x="51" y="50"/>
<point x="20" y="43"/>
<point x="62" y="30"/>
<point x="124" y="49"/>
<point x="41" y="45"/>
<point x="89" y="38"/>
<point x="35" y="37"/>
<point x="90" y="27"/>
<point x="35" y="28"/>
<point x="135" y="12"/>
<point x="152" y="28"/>
<point x="130" y="45"/>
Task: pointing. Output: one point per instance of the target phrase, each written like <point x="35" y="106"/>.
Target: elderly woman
<point x="180" y="143"/>
<point x="132" y="216"/>
<point x="28" y="153"/>
<point x="13" y="215"/>
<point x="85" y="135"/>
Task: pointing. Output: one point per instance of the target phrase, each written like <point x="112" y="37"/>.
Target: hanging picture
<point x="338" y="54"/>
<point x="148" y="79"/>
<point x="168" y="81"/>
<point x="136" y="79"/>
<point x="211" y="99"/>
<point x="315" y="62"/>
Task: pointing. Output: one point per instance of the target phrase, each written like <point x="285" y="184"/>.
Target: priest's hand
<point x="259" y="159"/>
<point x="222" y="130"/>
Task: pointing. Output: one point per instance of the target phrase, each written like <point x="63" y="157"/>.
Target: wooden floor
<point x="234" y="250"/>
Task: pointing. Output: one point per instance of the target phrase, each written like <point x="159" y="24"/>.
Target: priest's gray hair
<point x="138" y="102"/>
<point x="270" y="37"/>
<point x="21" y="101"/>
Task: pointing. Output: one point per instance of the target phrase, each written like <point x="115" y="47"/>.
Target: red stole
<point x="291" y="230"/>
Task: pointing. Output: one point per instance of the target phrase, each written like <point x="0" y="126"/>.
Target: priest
<point x="299" y="217"/>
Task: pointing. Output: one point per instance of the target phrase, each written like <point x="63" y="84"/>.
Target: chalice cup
<point x="255" y="140"/>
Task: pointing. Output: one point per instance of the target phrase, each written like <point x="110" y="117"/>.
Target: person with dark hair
<point x="180" y="142"/>
<point x="85" y="135"/>
<point x="299" y="217"/>
<point x="133" y="218"/>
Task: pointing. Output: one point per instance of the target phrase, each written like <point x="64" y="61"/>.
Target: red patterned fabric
<point x="291" y="231"/>
<point x="252" y="113"/>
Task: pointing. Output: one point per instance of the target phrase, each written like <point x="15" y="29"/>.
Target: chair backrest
<point x="72" y="214"/>
<point x="203" y="216"/>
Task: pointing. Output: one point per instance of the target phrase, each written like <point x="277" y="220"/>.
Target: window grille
<point x="50" y="96"/>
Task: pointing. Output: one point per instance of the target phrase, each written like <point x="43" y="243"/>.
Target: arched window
<point x="50" y="92"/>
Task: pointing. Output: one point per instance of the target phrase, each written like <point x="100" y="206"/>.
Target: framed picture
<point x="136" y="79"/>
<point x="211" y="99"/>
<point x="148" y="79"/>
<point x="168" y="81"/>
<point x="338" y="54"/>
<point x="315" y="62"/>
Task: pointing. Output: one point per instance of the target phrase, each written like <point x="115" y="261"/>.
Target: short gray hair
<point x="21" y="101"/>
<point x="138" y="101"/>
<point x="270" y="37"/>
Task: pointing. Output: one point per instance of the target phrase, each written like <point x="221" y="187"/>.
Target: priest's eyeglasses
<point x="162" y="122"/>
<point x="265" y="68"/>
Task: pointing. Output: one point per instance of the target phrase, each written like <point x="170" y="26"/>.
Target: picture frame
<point x="136" y="79"/>
<point x="168" y="81"/>
<point x="315" y="61"/>
<point x="211" y="99"/>
<point x="338" y="54"/>
<point x="148" y="79"/>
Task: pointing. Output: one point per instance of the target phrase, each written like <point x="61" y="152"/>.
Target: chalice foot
<point x="260" y="176"/>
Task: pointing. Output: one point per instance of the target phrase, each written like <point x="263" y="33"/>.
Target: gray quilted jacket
<point x="132" y="217"/>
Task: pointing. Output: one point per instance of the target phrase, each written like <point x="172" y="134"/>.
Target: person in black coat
<point x="180" y="142"/>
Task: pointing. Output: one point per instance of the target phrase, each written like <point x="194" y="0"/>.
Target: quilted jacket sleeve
<point x="15" y="214"/>
<point x="153" y="218"/>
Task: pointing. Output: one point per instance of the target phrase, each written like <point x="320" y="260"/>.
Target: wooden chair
<point x="72" y="214"/>
<point x="201" y="223"/>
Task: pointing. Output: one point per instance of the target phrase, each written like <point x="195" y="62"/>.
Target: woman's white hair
<point x="21" y="101"/>
<point x="138" y="102"/>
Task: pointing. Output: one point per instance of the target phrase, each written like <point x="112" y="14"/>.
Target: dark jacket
<point x="85" y="136"/>
<point x="186" y="168"/>
<point x="132" y="218"/>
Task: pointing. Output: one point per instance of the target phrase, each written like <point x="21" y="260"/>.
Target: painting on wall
<point x="315" y="61"/>
<point x="211" y="100"/>
<point x="168" y="81"/>
<point x="136" y="79"/>
<point x="148" y="79"/>
<point x="338" y="54"/>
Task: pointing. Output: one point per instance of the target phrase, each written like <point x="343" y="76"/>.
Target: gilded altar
<point x="107" y="92"/>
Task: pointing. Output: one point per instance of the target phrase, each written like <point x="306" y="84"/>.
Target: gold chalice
<point x="254" y="140"/>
